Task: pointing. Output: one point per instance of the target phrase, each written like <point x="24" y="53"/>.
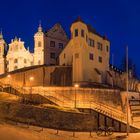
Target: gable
<point x="57" y="32"/>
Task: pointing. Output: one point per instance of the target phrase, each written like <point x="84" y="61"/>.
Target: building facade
<point x="2" y="53"/>
<point x="83" y="60"/>
<point x="18" y="56"/>
<point x="47" y="47"/>
<point x="88" y="53"/>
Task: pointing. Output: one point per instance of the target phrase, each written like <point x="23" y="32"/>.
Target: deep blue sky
<point x="118" y="19"/>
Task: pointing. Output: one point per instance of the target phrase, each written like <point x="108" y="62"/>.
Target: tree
<point x="131" y="66"/>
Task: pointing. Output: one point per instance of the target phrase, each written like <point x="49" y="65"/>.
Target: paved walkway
<point x="13" y="132"/>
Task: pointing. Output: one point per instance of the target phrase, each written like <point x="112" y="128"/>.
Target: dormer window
<point x="76" y="32"/>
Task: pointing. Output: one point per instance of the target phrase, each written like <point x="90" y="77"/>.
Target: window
<point x="99" y="46"/>
<point x="52" y="43"/>
<point x="100" y="59"/>
<point x="82" y="33"/>
<point x="25" y="61"/>
<point x="16" y="60"/>
<point x="52" y="55"/>
<point x="61" y="45"/>
<point x="77" y="55"/>
<point x="91" y="56"/>
<point x="107" y="48"/>
<point x="39" y="43"/>
<point x="64" y="55"/>
<point x="91" y="42"/>
<point x="76" y="32"/>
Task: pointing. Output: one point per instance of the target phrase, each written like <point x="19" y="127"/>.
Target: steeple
<point x="40" y="27"/>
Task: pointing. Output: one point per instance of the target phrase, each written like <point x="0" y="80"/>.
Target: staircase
<point x="135" y="111"/>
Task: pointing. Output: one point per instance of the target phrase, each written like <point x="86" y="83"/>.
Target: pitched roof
<point x="54" y="29"/>
<point x="90" y="28"/>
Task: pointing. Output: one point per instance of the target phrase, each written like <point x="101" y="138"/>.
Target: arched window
<point x="39" y="43"/>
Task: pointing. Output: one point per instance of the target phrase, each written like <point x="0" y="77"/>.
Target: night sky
<point x="118" y="19"/>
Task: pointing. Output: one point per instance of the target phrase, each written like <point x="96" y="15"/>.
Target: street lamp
<point x="127" y="89"/>
<point x="76" y="86"/>
<point x="31" y="79"/>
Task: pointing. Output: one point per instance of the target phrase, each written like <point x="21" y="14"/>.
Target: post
<point x="127" y="104"/>
<point x="31" y="80"/>
<point x="75" y="95"/>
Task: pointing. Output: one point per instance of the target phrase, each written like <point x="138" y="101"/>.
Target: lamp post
<point x="127" y="99"/>
<point x="31" y="79"/>
<point x="75" y="95"/>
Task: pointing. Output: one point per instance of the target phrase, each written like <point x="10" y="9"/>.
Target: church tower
<point x="2" y="50"/>
<point x="39" y="47"/>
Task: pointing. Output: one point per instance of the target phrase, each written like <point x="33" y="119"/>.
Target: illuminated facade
<point x="47" y="47"/>
<point x="18" y="56"/>
<point x="88" y="53"/>
<point x="2" y="52"/>
<point x="83" y="60"/>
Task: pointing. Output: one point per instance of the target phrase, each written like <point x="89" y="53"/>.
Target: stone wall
<point x="107" y="97"/>
<point x="42" y="76"/>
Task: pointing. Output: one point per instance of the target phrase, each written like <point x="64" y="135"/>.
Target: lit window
<point x="52" y="43"/>
<point x="76" y="32"/>
<point x="52" y="55"/>
<point x="100" y="59"/>
<point x="91" y="56"/>
<point x="82" y="33"/>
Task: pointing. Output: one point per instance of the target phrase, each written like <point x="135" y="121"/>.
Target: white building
<point x="47" y="47"/>
<point x="18" y="56"/>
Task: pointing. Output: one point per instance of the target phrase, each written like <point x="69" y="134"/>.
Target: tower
<point x="39" y="47"/>
<point x="2" y="50"/>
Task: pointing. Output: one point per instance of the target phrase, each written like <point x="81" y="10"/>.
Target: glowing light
<point x="31" y="78"/>
<point x="76" y="85"/>
<point x="9" y="76"/>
